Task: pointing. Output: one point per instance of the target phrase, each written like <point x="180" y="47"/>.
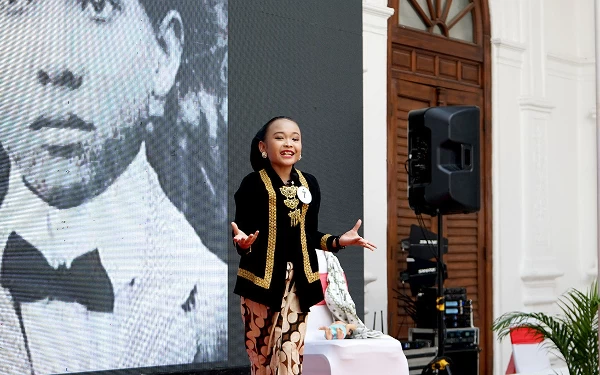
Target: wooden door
<point x="426" y="69"/>
<point x="466" y="257"/>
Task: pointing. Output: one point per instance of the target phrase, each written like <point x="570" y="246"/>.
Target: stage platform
<point x="227" y="371"/>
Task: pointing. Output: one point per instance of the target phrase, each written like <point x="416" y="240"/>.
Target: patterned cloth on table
<point x="340" y="302"/>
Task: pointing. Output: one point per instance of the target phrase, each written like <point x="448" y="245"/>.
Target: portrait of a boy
<point x="100" y="101"/>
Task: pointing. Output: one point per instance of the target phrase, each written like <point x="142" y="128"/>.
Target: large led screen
<point x="125" y="130"/>
<point x="113" y="185"/>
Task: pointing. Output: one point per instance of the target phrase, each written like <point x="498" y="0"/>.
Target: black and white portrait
<point x="113" y="182"/>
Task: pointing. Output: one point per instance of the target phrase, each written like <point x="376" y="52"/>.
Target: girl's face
<point x="282" y="143"/>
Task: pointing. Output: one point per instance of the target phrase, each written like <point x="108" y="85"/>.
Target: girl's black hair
<point x="256" y="159"/>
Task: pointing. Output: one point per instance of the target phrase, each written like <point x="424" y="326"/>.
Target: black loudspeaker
<point x="464" y="361"/>
<point x="443" y="164"/>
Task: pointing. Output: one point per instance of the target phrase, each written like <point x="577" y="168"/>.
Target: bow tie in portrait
<point x="29" y="277"/>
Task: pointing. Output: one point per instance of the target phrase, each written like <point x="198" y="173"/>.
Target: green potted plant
<point x="573" y="335"/>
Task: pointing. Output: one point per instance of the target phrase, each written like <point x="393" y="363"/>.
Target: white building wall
<point x="543" y="154"/>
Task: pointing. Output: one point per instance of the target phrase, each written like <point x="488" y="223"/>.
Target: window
<point x="449" y="18"/>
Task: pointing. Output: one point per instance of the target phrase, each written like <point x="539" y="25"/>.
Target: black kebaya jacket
<point x="260" y="205"/>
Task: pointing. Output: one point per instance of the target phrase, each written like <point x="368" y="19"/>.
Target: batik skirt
<point x="275" y="339"/>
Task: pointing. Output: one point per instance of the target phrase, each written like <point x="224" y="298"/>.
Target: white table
<point x="380" y="356"/>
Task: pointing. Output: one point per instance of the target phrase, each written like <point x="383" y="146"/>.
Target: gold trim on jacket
<point x="310" y="275"/>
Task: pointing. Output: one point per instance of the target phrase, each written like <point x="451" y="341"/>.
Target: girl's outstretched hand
<point x="351" y="237"/>
<point x="242" y="239"/>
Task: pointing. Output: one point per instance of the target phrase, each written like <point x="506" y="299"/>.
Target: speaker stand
<point x="440" y="364"/>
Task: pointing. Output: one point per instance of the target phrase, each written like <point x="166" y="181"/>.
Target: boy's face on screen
<point x="75" y="80"/>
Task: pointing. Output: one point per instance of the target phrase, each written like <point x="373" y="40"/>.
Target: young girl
<point x="276" y="234"/>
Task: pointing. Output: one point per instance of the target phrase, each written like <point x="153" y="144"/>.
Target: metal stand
<point x="440" y="364"/>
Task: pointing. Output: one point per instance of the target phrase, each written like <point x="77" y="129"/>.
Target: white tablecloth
<point x="381" y="356"/>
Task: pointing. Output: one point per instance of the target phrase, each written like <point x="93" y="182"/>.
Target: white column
<point x="375" y="31"/>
